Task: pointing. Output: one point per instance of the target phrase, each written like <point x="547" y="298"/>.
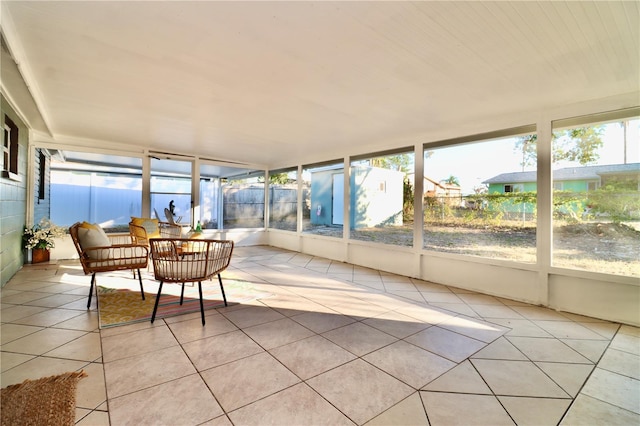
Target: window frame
<point x="10" y="150"/>
<point x="42" y="175"/>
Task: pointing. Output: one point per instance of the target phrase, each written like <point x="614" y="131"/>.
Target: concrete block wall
<point x="13" y="203"/>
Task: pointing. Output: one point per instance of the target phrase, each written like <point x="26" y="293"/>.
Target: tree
<point x="400" y="162"/>
<point x="279" y="178"/>
<point x="528" y="145"/>
<point x="407" y="200"/>
<point x="577" y="145"/>
<point x="276" y="178"/>
<point x="452" y="180"/>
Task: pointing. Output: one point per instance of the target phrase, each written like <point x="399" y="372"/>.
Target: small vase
<point x="39" y="255"/>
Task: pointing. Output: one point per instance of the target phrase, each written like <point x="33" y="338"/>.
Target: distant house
<point x="376" y="199"/>
<point x="573" y="179"/>
<point x="449" y="193"/>
<point x="577" y="179"/>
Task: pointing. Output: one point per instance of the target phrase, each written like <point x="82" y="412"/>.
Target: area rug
<point x="46" y="401"/>
<point x="118" y="307"/>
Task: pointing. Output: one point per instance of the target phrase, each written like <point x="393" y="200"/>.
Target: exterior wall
<point x="322" y="195"/>
<point x="499" y="187"/>
<point x="371" y="204"/>
<point x="13" y="204"/>
<point x="508" y="206"/>
<point x="574" y="185"/>
<point x="567" y="185"/>
<point x="597" y="297"/>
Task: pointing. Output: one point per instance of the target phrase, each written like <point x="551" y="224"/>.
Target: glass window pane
<point x="596" y="197"/>
<point x="382" y="199"/>
<point x="243" y="201"/>
<point x="323" y="199"/>
<point x="96" y="188"/>
<point x="210" y="199"/>
<point x="283" y="199"/>
<point x="478" y="206"/>
<point x="171" y="190"/>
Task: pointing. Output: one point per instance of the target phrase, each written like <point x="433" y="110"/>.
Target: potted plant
<point x="40" y="238"/>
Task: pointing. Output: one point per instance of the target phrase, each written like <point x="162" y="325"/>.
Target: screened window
<point x="283" y="199"/>
<point x="471" y="205"/>
<point x="596" y="213"/>
<point x="210" y="198"/>
<point x="171" y="190"/>
<point x="382" y="198"/>
<point x="243" y="200"/>
<point x="323" y="199"/>
<point x="97" y="188"/>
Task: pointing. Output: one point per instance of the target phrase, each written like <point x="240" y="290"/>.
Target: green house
<point x="576" y="179"/>
<point x="571" y="179"/>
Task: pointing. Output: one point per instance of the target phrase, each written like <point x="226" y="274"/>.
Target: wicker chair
<point x="140" y="236"/>
<point x="186" y="260"/>
<point x="107" y="257"/>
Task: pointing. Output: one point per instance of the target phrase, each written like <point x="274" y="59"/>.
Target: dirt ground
<point x="602" y="247"/>
<point x="599" y="247"/>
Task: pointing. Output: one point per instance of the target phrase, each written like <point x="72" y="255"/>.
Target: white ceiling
<point x="282" y="83"/>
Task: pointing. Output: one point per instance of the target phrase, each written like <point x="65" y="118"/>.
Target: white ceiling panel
<point x="278" y="83"/>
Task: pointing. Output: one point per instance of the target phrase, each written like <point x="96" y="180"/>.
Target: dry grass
<point x="598" y="247"/>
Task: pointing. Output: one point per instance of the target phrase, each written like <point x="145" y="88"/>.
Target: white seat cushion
<point x="187" y="270"/>
<point x="94" y="237"/>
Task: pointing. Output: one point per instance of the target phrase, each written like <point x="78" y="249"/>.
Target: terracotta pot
<point x="39" y="255"/>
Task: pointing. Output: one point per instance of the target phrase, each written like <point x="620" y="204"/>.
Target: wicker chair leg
<point x="93" y="280"/>
<point x="140" y="279"/>
<point x="155" y="307"/>
<point x="201" y="303"/>
<point x="222" y="289"/>
<point x="182" y="294"/>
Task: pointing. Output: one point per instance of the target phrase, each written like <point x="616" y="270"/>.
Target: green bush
<point x="617" y="204"/>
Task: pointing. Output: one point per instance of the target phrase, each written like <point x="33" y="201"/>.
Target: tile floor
<point x="333" y="344"/>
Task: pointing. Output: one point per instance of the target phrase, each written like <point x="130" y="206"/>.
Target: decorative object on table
<point x="172" y="218"/>
<point x="46" y="401"/>
<point x="40" y="239"/>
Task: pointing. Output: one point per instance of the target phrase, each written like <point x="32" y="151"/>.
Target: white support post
<point x="146" y="185"/>
<point x="545" y="207"/>
<point x="267" y="199"/>
<point x="418" y="191"/>
<point x="346" y="220"/>
<point x="300" y="209"/>
<point x="195" y="193"/>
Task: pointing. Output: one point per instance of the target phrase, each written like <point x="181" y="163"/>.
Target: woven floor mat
<point x="47" y="401"/>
